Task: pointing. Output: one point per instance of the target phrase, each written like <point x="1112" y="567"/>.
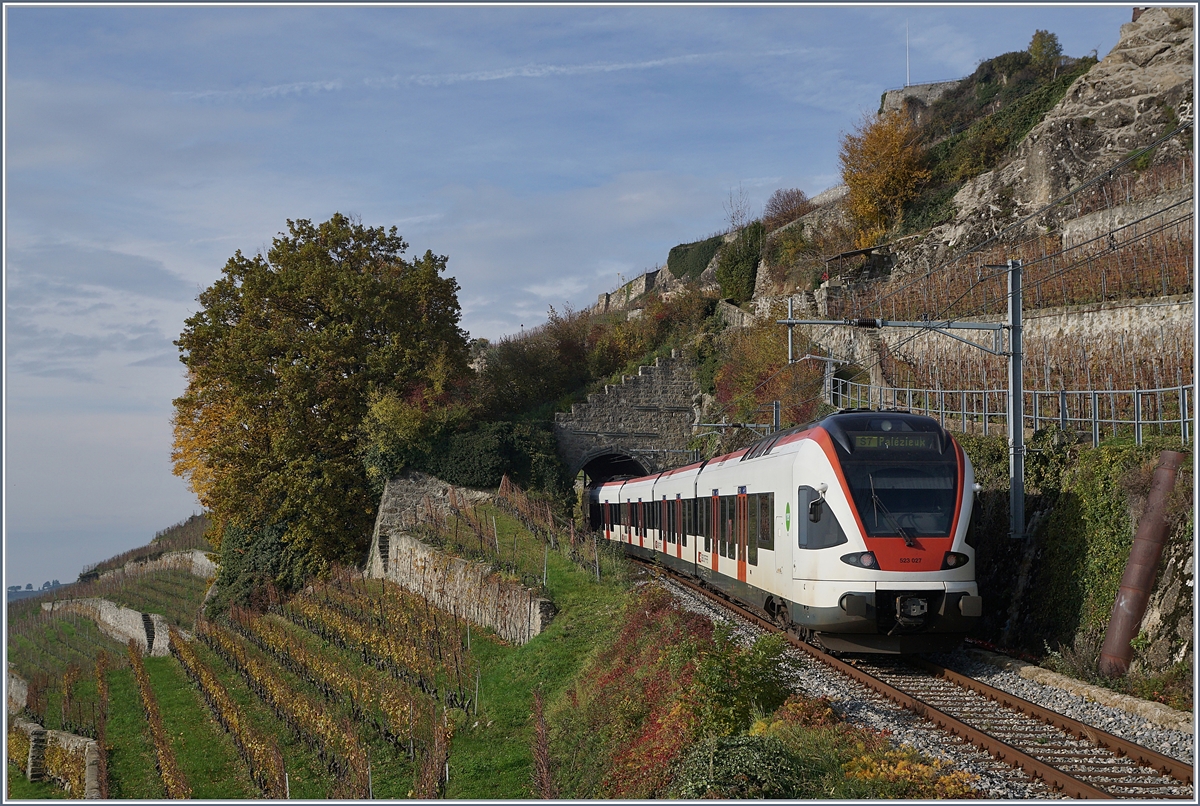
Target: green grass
<point x="307" y="777"/>
<point x="206" y="754"/>
<point x="491" y="753"/>
<point x="131" y="769"/>
<point x="20" y="788"/>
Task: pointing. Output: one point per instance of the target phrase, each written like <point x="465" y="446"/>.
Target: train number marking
<point x="910" y="560"/>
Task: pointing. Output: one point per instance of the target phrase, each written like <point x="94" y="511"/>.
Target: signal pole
<point x="1015" y="407"/>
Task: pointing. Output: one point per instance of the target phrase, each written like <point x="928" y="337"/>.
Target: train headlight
<point x="861" y="559"/>
<point x="954" y="559"/>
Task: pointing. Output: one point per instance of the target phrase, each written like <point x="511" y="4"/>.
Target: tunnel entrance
<point x="609" y="465"/>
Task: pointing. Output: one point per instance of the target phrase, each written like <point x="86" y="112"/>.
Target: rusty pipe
<point x="1140" y="570"/>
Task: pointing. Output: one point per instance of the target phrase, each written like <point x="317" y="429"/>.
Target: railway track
<point x="1073" y="758"/>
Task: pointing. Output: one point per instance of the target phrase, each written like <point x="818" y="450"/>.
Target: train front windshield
<point x="902" y="483"/>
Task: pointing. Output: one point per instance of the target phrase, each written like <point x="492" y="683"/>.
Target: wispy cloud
<point x="536" y="71"/>
<point x="255" y="93"/>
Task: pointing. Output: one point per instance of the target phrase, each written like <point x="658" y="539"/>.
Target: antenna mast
<point x="907" y="76"/>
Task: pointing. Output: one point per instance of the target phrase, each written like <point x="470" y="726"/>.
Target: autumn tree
<point x="284" y="359"/>
<point x="755" y="372"/>
<point x="881" y="164"/>
<point x="784" y="207"/>
<point x="1045" y="51"/>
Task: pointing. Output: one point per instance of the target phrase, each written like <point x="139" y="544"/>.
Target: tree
<point x="285" y="357"/>
<point x="881" y="164"/>
<point x="784" y="207"/>
<point x="1045" y="51"/>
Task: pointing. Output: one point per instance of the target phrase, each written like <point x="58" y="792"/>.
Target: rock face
<point x="1140" y="91"/>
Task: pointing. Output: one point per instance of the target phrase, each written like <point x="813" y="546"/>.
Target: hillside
<point x="355" y="688"/>
<point x="345" y="685"/>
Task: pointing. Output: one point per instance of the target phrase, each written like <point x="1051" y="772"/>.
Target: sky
<point x="549" y="152"/>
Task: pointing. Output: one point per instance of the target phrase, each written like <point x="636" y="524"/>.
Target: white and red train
<point x="853" y="529"/>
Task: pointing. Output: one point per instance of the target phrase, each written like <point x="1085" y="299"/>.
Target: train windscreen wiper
<point x="908" y="541"/>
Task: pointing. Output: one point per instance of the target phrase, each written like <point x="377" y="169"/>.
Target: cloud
<point x="69" y="266"/>
<point x="160" y="360"/>
<point x="544" y="71"/>
<point x="275" y="91"/>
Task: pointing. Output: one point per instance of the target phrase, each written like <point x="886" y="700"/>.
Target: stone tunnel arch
<point x="604" y="464"/>
<point x="634" y="428"/>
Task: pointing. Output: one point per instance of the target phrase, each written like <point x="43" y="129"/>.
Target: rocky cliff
<point x="1139" y="92"/>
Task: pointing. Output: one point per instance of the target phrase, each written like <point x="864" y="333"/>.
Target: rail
<point x="1095" y="413"/>
<point x="1021" y="754"/>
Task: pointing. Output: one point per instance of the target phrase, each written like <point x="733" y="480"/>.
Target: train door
<point x="668" y="524"/>
<point x="641" y="523"/>
<point x="740" y="532"/>
<point x="607" y="522"/>
<point x="679" y="526"/>
<point x="715" y="525"/>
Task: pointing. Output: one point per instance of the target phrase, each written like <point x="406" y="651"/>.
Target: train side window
<point x="752" y="529"/>
<point x="670" y="507"/>
<point x="766" y="521"/>
<point x="727" y="536"/>
<point x="824" y="533"/>
<point x="706" y="522"/>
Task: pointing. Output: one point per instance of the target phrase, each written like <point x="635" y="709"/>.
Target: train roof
<point x="838" y="423"/>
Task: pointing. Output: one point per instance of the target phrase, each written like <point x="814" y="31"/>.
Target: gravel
<point x="1173" y="743"/>
<point x="995" y="780"/>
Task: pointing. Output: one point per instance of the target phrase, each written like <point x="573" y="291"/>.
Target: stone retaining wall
<point x="71" y="761"/>
<point x="472" y="590"/>
<point x="120" y="623"/>
<point x="18" y="692"/>
<point x="1145" y="317"/>
<point x="195" y="562"/>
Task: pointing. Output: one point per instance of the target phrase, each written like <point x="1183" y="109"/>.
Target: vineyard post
<point x="545" y="564"/>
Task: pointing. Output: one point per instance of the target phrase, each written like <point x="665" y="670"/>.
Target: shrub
<point x="733" y="683"/>
<point x="739" y="767"/>
<point x="738" y="262"/>
<point x="481" y="457"/>
<point x="691" y="259"/>
<point x="784" y="207"/>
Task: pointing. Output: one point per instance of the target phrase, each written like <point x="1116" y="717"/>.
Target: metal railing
<point x="1095" y="413"/>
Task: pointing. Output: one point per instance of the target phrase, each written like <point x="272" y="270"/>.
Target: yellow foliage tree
<point x="881" y="164"/>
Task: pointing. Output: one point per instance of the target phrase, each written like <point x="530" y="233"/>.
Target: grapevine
<point x="333" y="740"/>
<point x="260" y="752"/>
<point x="168" y="767"/>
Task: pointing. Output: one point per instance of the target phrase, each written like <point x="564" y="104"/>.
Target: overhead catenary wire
<point x="998" y="272"/>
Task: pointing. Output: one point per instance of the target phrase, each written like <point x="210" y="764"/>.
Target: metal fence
<point x="1095" y="413"/>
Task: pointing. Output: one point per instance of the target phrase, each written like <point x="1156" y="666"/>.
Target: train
<point x="853" y="531"/>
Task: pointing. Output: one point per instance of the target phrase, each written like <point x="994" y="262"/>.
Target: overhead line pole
<point x="1015" y="407"/>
